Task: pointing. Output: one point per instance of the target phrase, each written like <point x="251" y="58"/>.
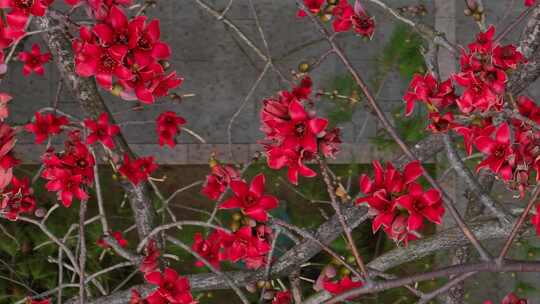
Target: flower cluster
<point x="530" y="2"/>
<point x="248" y="245"/>
<point x="129" y="51"/>
<point x="398" y="202"/>
<point x="295" y="135"/>
<point x="137" y="170"/>
<point x="69" y="172"/>
<point x="21" y="10"/>
<point x="218" y="180"/>
<point x="510" y="145"/>
<point x="168" y="127"/>
<point x="346" y="16"/>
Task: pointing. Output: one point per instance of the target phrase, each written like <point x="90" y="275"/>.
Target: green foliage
<point x="411" y="129"/>
<point x="402" y="53"/>
<point x="343" y="109"/>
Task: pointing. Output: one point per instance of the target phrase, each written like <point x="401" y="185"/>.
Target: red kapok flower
<point x="18" y="199"/>
<point x="151" y="256"/>
<point x="117" y="235"/>
<point x="34" y="60"/>
<point x="172" y="287"/>
<point x="301" y="130"/>
<point x="420" y="205"/>
<point x="282" y="297"/>
<point x="330" y="143"/>
<point x="101" y="130"/>
<point x="507" y="57"/>
<point x="511" y="298"/>
<point x="441" y="123"/>
<point x="7" y="160"/>
<point x="249" y="248"/>
<point x="144" y="41"/>
<point x="399" y="231"/>
<point x="278" y="157"/>
<point x="136" y="298"/>
<point x="428" y="90"/>
<point x="45" y="125"/>
<point x="363" y="24"/>
<point x="211" y="248"/>
<point x="104" y="63"/>
<point x="137" y="170"/>
<point x="338" y="287"/>
<point x="251" y="199"/>
<point x="35" y="301"/>
<point x="484" y="41"/>
<point x="218" y="180"/>
<point x="313" y="6"/>
<point x="382" y="191"/>
<point x="343" y="14"/>
<point x="21" y="9"/>
<point x="65" y="184"/>
<point x="529" y="2"/>
<point x="498" y="151"/>
<point x="168" y="126"/>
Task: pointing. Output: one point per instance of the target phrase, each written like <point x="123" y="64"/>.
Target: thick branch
<point x="86" y="92"/>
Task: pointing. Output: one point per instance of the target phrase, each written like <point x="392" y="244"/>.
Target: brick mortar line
<point x="192" y="154"/>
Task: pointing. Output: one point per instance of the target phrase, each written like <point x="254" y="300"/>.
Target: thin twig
<point x="518" y="224"/>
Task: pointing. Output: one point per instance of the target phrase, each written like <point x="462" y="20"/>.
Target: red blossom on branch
<point x="347" y="17"/>
<point x="17" y="199"/>
<point x="22" y="9"/>
<point x="151" y="257"/>
<point x="314" y="7"/>
<point x="34" y="301"/>
<point x="126" y="51"/>
<point x="341" y="286"/>
<point x="211" y="248"/>
<point x="498" y="151"/>
<point x="294" y="134"/>
<point x="251" y="249"/>
<point x="282" y="297"/>
<point x="137" y="170"/>
<point x="117" y="235"/>
<point x="218" y="180"/>
<point x="510" y="298"/>
<point x="45" y="125"/>
<point x="171" y="287"/>
<point x="34" y="60"/>
<point x="251" y="199"/>
<point x="168" y="126"/>
<point x="101" y="130"/>
<point x="391" y="192"/>
<point x="69" y="172"/>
